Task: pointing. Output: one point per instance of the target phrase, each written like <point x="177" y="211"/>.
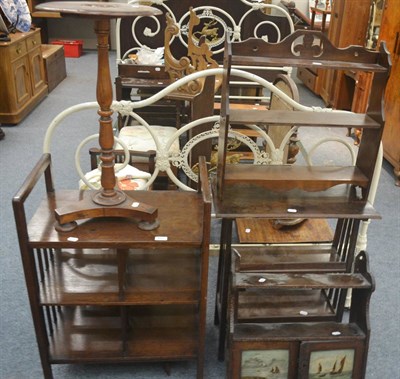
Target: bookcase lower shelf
<point x="96" y="334"/>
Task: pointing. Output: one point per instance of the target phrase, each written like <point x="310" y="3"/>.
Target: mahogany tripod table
<point x="108" y="201"/>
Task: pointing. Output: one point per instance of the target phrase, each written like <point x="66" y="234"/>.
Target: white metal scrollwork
<point x="166" y="160"/>
<point x="217" y="22"/>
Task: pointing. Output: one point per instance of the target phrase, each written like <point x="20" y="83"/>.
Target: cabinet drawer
<point x="18" y="50"/>
<point x="33" y="41"/>
<point x="308" y="78"/>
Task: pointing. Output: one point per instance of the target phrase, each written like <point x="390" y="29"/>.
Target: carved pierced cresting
<point x="308" y="44"/>
<point x="309" y="47"/>
<point x="199" y="52"/>
<point x="199" y="56"/>
<point x="175" y="68"/>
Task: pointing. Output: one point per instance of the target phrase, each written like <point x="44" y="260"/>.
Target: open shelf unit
<point x="295" y="275"/>
<point x="111" y="292"/>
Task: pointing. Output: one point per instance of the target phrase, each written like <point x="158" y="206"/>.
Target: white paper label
<point x="160" y="238"/>
<point x="72" y="239"/>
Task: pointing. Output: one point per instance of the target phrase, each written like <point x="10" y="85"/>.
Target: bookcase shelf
<point x="302" y="118"/>
<point x="243" y="199"/>
<point x="88" y="277"/>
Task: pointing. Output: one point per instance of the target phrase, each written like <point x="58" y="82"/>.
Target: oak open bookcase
<point x="104" y="287"/>
<point x="110" y="292"/>
<point x="338" y="193"/>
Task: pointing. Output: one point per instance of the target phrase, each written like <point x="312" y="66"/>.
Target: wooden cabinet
<point x="22" y="72"/>
<point x="348" y="26"/>
<point x="109" y="292"/>
<point x="390" y="32"/>
<point x="289" y="323"/>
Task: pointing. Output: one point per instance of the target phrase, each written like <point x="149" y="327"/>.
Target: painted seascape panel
<point x="328" y="364"/>
<point x="265" y="364"/>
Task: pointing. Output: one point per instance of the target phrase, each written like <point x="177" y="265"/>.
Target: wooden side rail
<point x="42" y="167"/>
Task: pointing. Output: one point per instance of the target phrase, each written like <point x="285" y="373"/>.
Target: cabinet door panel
<point x="37" y="71"/>
<point x="21" y="82"/>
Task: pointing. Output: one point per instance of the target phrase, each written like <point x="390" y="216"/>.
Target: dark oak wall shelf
<point x="279" y="290"/>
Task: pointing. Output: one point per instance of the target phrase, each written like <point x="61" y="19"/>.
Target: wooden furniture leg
<point x="221" y="310"/>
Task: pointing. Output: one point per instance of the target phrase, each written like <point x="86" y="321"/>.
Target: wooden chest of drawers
<point x="22" y="76"/>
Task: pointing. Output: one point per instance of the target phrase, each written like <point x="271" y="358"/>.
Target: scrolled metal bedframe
<point x="223" y="20"/>
<point x="165" y="160"/>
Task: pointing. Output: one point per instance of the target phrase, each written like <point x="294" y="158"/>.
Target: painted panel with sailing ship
<point x="265" y="364"/>
<point x="338" y="364"/>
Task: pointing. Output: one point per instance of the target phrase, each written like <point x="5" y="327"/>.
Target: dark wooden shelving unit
<point x="279" y="297"/>
<point x="111" y="292"/>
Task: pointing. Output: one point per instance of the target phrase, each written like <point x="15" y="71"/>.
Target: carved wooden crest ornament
<point x="199" y="55"/>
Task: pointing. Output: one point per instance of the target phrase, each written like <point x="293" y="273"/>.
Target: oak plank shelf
<point x="154" y="84"/>
<point x="340" y="65"/>
<point x="91" y="276"/>
<point x="41" y="14"/>
<point x="283" y="306"/>
<point x="302" y="118"/>
<point x="298" y="258"/>
<point x="286" y="177"/>
<point x="247" y="200"/>
<point x="297" y="331"/>
<point x="262" y="297"/>
<point x="99" y="326"/>
<point x="299" y="281"/>
<point x="42" y="232"/>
